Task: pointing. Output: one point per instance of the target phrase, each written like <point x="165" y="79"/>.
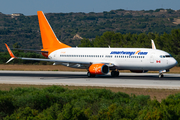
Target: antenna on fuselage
<point x="153" y="45"/>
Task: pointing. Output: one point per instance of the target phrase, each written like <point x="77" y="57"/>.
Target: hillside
<point x="24" y="30"/>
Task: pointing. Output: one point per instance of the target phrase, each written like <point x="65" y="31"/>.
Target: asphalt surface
<point x="132" y="80"/>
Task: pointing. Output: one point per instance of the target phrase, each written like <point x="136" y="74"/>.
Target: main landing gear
<point x="90" y="75"/>
<point x="114" y="73"/>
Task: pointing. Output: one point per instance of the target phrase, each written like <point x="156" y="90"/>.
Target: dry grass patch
<point x="176" y="21"/>
<point x="38" y="68"/>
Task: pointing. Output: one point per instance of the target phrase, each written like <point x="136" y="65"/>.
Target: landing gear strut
<point x="161" y="75"/>
<point x="114" y="73"/>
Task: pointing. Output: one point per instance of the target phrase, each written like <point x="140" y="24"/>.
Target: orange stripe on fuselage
<point x="49" y="39"/>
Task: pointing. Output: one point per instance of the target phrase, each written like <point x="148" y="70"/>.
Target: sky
<point x="30" y="7"/>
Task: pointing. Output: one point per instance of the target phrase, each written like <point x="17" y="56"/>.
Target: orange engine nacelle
<point x="139" y="71"/>
<point x="98" y="69"/>
<point x="44" y="54"/>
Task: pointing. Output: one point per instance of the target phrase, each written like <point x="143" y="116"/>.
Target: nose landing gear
<point x="161" y="75"/>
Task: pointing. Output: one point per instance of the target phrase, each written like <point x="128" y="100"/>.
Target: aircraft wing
<point x="66" y="63"/>
<point x="37" y="59"/>
<point x="30" y="50"/>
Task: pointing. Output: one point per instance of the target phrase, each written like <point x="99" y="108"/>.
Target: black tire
<point x="90" y="75"/>
<point x="117" y="73"/>
<point x="114" y="73"/>
<point x="161" y="75"/>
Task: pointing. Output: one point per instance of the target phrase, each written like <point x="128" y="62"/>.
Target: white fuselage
<point x="122" y="58"/>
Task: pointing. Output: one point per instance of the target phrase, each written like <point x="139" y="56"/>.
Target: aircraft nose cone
<point x="174" y="62"/>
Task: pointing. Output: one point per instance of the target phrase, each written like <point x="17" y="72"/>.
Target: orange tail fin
<point x="49" y="39"/>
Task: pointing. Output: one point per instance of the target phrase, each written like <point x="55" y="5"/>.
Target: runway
<point x="132" y="80"/>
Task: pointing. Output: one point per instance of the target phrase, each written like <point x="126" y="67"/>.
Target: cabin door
<point x="152" y="58"/>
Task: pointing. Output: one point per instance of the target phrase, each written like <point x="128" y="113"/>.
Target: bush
<point x="59" y="103"/>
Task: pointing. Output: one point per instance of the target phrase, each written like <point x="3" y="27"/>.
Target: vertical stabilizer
<point x="49" y="39"/>
<point x="153" y="45"/>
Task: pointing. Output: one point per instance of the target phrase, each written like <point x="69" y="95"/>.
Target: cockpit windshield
<point x="165" y="56"/>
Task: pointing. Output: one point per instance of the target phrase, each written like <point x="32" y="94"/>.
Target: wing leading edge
<point x="38" y="59"/>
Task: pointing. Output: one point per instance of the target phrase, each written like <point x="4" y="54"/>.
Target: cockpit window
<point x="165" y="56"/>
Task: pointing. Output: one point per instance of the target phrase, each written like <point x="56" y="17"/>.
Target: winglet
<point x="153" y="45"/>
<point x="10" y="53"/>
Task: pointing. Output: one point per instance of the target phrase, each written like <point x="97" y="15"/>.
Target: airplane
<point x="99" y="61"/>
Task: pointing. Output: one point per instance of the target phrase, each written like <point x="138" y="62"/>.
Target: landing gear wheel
<point x="161" y="75"/>
<point x="115" y="73"/>
<point x="90" y="75"/>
